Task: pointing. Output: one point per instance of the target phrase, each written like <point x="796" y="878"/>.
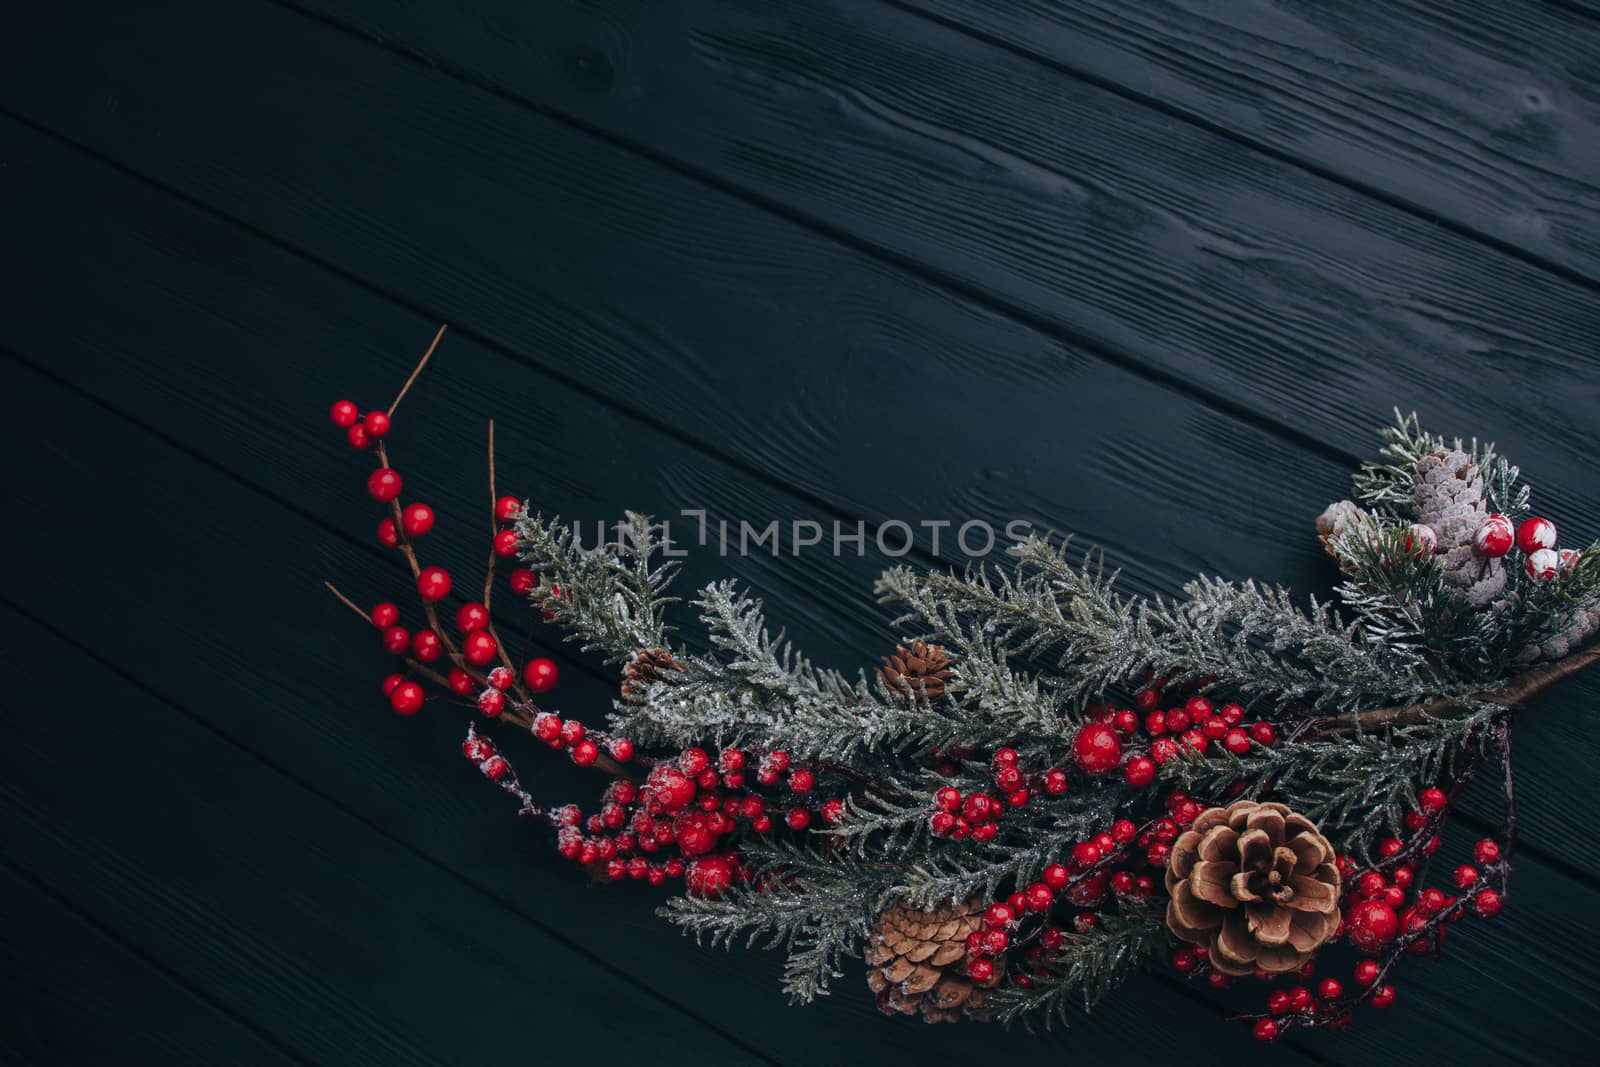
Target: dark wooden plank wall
<point x="1151" y="274"/>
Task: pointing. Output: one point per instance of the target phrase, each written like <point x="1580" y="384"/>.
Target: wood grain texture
<point x="193" y="287"/>
<point x="1481" y="115"/>
<point x="1155" y="242"/>
<point x="70" y="993"/>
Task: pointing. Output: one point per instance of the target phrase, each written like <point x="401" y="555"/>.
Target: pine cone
<point x="646" y="668"/>
<point x="1448" y="496"/>
<point x="1256" y="884"/>
<point x="919" y="672"/>
<point x="918" y="961"/>
<point x="1338" y="519"/>
<point x="1577" y="628"/>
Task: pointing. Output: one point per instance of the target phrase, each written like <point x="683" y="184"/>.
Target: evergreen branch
<point x="1090" y="966"/>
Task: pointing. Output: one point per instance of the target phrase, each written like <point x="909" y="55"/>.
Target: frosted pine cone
<point x="1339" y="519"/>
<point x="1448" y="496"/>
<point x="648" y="666"/>
<point x="919" y="672"/>
<point x="1577" y="629"/>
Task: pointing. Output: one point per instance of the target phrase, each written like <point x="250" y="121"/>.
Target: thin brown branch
<point x="423" y="363"/>
<point x="347" y="602"/>
<point x="1514" y="694"/>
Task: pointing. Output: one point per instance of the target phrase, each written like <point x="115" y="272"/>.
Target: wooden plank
<point x="72" y="994"/>
<point x="315" y="926"/>
<point x="200" y="330"/>
<point x="1147" y="487"/>
<point x="1479" y="115"/>
<point x="421" y="834"/>
<point x="1156" y="242"/>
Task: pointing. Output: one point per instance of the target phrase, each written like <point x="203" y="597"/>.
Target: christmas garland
<point x="1049" y="785"/>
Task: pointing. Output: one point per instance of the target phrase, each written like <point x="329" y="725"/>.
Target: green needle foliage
<point x="1035" y="644"/>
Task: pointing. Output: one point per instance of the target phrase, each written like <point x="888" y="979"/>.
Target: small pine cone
<point x="1339" y="518"/>
<point x="919" y="672"/>
<point x="646" y="667"/>
<point x="917" y="961"/>
<point x="1577" y="628"/>
<point x="1256" y="884"/>
<point x="1448" y="496"/>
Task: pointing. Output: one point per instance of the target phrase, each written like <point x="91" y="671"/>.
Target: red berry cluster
<point x="1387" y="914"/>
<point x="474" y="645"/>
<point x="1534" y="537"/>
<point x="1140" y="740"/>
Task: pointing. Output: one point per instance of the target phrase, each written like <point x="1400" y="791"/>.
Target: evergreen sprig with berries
<point x="1048" y="785"/>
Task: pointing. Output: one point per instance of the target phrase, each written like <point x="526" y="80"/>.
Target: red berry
<point x="477" y="749"/>
<point x="385" y="615"/>
<point x="461" y="682"/>
<point x="491" y="702"/>
<point x="1096" y="748"/>
<point x="986" y="832"/>
<point x="388" y="535"/>
<point x="1222" y="981"/>
<point x="523" y="580"/>
<point x="1367" y="972"/>
<point x="1198" y="708"/>
<point x="390" y="682"/>
<point x="1394" y="896"/>
<point x="505" y="544"/>
<point x="947" y="799"/>
<point x="1262" y="733"/>
<point x="1232" y="714"/>
<point x="777" y="761"/>
<point x="1005" y="757"/>
<point x="1155" y="723"/>
<point x="980" y="970"/>
<point x="505" y="508"/>
<point x="1389" y="846"/>
<point x="998" y="915"/>
<point x="1383" y="997"/>
<point x="941" y="823"/>
<point x="1265" y="1029"/>
<point x="1038" y="897"/>
<point x="1431" y="901"/>
<point x="1494" y="537"/>
<point x="1371" y="885"/>
<point x="384" y="484"/>
<point x="1330" y="989"/>
<point x="396" y="640"/>
<point x="344" y="414"/>
<point x="1372" y="924"/>
<point x="501" y="678"/>
<point x="1486" y="852"/>
<point x="1237" y="742"/>
<point x="1433" y="799"/>
<point x="416" y="520"/>
<point x="1194" y="740"/>
<point x="1403" y="876"/>
<point x="1123" y="831"/>
<point x="1018" y="798"/>
<point x="798" y="818"/>
<point x="621" y="749"/>
<point x="802" y="780"/>
<point x="376" y="423"/>
<point x="1184" y="961"/>
<point x="541" y="674"/>
<point x="1278" y="1002"/>
<point x="406" y="698"/>
<point x="496" y="768"/>
<point x="356" y="437"/>
<point x="1177" y="720"/>
<point x="1086" y="854"/>
<point x="1056" y="876"/>
<point x="585" y="753"/>
<point x="1214" y="728"/>
<point x="1140" y="771"/>
<point x="1162" y="749"/>
<point x="1055" y="781"/>
<point x="479" y="648"/>
<point x="1300" y="998"/>
<point x="433" y="583"/>
<point x="1535" y="534"/>
<point x="708" y="876"/>
<point x="1125" y="721"/>
<point x="1008" y="778"/>
<point x="472" y="617"/>
<point x="1465" y="875"/>
<point x="1487" y="903"/>
<point x="425" y="645"/>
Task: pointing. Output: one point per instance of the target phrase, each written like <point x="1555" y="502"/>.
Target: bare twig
<point x="418" y="370"/>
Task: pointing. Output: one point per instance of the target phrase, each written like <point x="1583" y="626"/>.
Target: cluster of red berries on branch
<point x="1534" y="537"/>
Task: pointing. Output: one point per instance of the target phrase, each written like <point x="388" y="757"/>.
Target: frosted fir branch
<point x="1090" y="966"/>
<point x="611" y="598"/>
<point x="1386" y="485"/>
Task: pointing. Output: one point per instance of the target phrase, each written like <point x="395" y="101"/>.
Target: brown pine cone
<point x="919" y="672"/>
<point x="1256" y="884"/>
<point x="917" y="961"/>
<point x="648" y="665"/>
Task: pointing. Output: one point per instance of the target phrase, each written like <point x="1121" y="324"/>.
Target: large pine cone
<point x="648" y="665"/>
<point x="919" y="672"/>
<point x="918" y="961"/>
<point x="1256" y="884"/>
<point x="1448" y="496"/>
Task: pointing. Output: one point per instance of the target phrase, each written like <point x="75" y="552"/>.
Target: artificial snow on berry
<point x="1493" y="537"/>
<point x="1568" y="558"/>
<point x="384" y="484"/>
<point x="1421" y="540"/>
<point x="541" y="674"/>
<point x="491" y="702"/>
<point x="501" y="678"/>
<point x="1535" y="534"/>
<point x="1542" y="564"/>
